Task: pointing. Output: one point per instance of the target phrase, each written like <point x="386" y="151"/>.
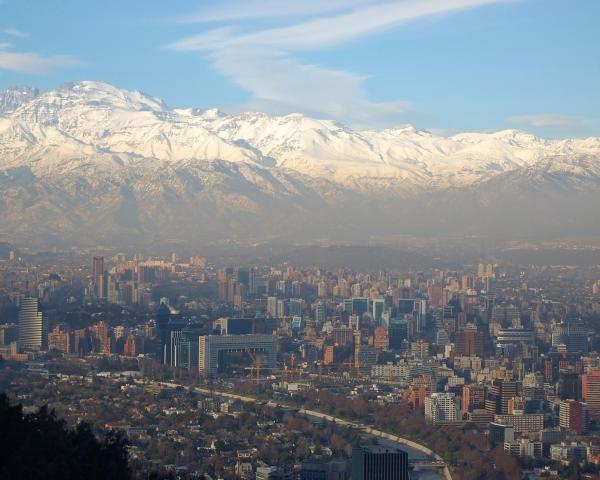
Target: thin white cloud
<point x="15" y="32"/>
<point x="282" y="84"/>
<point x="248" y="9"/>
<point x="266" y="62"/>
<point x="550" y="120"/>
<point x="28" y="62"/>
<point x="333" y="30"/>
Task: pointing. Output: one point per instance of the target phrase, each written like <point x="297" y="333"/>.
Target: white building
<point x="33" y="333"/>
<point x="441" y="407"/>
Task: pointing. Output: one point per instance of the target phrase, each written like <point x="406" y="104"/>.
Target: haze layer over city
<point x="267" y="240"/>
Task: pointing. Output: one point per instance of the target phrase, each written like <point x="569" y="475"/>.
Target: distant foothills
<point x="89" y="163"/>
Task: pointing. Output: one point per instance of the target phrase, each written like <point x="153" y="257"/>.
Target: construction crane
<point x="255" y="364"/>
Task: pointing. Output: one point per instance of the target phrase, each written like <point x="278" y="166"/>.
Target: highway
<point x="430" y="465"/>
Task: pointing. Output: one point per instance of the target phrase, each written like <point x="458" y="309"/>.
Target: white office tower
<point x="441" y="407"/>
<point x="32" y="326"/>
<point x="378" y="309"/>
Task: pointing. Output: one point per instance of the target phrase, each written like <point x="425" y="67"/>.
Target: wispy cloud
<point x="267" y="62"/>
<point x="29" y="62"/>
<point x="15" y="32"/>
<point x="559" y="125"/>
<point x="322" y="32"/>
<point x="281" y="84"/>
<point x="247" y="9"/>
<point x="550" y="120"/>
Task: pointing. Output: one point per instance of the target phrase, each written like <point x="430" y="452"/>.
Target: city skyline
<point x="488" y="366"/>
<point x="311" y="240"/>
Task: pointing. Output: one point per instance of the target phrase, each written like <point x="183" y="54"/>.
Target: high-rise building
<point x="322" y="469"/>
<point x="381" y="339"/>
<point x="419" y="349"/>
<point x="237" y="325"/>
<point x="272" y="306"/>
<point x="500" y="392"/>
<point x="342" y="335"/>
<point x="435" y="294"/>
<point x="533" y="386"/>
<point x="360" y="305"/>
<point x="569" y="385"/>
<point x="8" y="333"/>
<point x="573" y="337"/>
<point x="320" y="312"/>
<point x="329" y="355"/>
<point x="590" y="388"/>
<point x="174" y="349"/>
<point x="59" y="339"/>
<point x="173" y="338"/>
<point x="99" y="278"/>
<point x="364" y="357"/>
<point x="574" y="416"/>
<point x="245" y="276"/>
<point x="379" y="463"/>
<point x="133" y="346"/>
<point x="499" y="433"/>
<point x="97" y="266"/>
<point x="378" y="308"/>
<point x="473" y="397"/>
<point x="32" y="326"/>
<point x="188" y="346"/>
<point x="441" y="407"/>
<point x="397" y="333"/>
<point x="295" y="307"/>
<point x="101" y="337"/>
<point x="470" y="341"/>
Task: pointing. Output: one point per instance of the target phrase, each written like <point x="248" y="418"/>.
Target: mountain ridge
<point x="92" y="162"/>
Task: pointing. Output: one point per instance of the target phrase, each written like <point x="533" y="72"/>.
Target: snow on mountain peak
<point x="107" y="93"/>
<point x="98" y="117"/>
<point x="11" y="98"/>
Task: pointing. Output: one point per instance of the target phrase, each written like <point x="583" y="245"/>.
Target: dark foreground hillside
<point x="38" y="445"/>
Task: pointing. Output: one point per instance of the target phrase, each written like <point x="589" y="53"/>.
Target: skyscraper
<point x="98" y="277"/>
<point x="590" y="388"/>
<point x="32" y="326"/>
<point x="378" y="307"/>
<point x="398" y="331"/>
<point x="272" y="306"/>
<point x="97" y="266"/>
<point x="379" y="463"/>
<point x="189" y="346"/>
<point x="573" y="416"/>
<point x="473" y="397"/>
<point x="500" y="392"/>
<point x="320" y="312"/>
<point x="470" y="341"/>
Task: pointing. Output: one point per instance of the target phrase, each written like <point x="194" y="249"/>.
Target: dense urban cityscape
<point x="281" y="371"/>
<point x="300" y="240"/>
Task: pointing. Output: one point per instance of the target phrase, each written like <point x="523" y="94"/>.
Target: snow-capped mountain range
<point x="89" y="162"/>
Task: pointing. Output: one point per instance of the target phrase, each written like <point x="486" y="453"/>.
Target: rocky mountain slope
<point x="90" y="163"/>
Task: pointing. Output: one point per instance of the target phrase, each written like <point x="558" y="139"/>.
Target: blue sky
<point x="443" y="65"/>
